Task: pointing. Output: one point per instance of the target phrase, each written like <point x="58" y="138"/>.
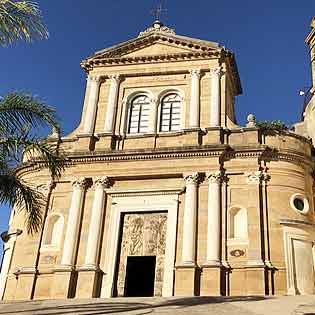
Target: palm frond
<point x="47" y="154"/>
<point x="21" y="111"/>
<point x="17" y="193"/>
<point x="14" y="148"/>
<point x="20" y="20"/>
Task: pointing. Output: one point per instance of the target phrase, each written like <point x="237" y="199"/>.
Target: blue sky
<point x="266" y="36"/>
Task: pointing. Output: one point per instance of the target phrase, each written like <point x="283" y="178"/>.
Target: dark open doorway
<point x="140" y="276"/>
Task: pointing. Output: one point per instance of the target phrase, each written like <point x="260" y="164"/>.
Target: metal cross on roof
<point x="158" y="11"/>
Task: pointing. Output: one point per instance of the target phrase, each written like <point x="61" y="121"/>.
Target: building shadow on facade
<point x="116" y="306"/>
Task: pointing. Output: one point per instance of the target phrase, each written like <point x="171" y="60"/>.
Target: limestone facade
<point x="159" y="167"/>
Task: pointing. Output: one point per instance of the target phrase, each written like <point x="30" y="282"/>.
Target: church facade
<point x="163" y="193"/>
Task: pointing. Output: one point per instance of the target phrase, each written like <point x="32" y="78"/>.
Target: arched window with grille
<point x="139" y="114"/>
<point x="171" y="111"/>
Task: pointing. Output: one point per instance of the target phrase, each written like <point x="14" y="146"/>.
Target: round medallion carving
<point x="237" y="253"/>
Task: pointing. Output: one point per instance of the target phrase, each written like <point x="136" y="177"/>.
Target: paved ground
<point x="253" y="305"/>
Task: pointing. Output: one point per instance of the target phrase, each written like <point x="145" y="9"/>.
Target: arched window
<point x="171" y="109"/>
<point x="53" y="233"/>
<point x="139" y="114"/>
<point x="238" y="224"/>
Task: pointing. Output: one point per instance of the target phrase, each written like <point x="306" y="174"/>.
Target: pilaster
<point x="112" y="103"/>
<point x="211" y="268"/>
<point x="190" y="216"/>
<point x="64" y="276"/>
<point x="89" y="274"/>
<point x="215" y="99"/>
<point x="93" y="83"/>
<point x="185" y="272"/>
<point x="195" y="99"/>
<point x="255" y="271"/>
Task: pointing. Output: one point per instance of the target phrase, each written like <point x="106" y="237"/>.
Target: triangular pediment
<point x="157" y="49"/>
<point x="156" y="45"/>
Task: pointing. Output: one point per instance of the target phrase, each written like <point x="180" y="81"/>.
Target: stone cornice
<point x="146" y="192"/>
<point x="99" y="62"/>
<point x="222" y="152"/>
<point x="145" y="41"/>
<point x="296" y="223"/>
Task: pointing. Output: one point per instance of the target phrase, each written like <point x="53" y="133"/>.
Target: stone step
<point x="243" y="305"/>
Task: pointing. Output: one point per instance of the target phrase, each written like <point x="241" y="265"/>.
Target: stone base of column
<point x="88" y="285"/>
<point x="10" y="288"/>
<point x="105" y="141"/>
<point x="210" y="282"/>
<point x="247" y="281"/>
<point x="24" y="286"/>
<point x="192" y="136"/>
<point x="62" y="284"/>
<point x="85" y="142"/>
<point x="185" y="280"/>
<point x="214" y="135"/>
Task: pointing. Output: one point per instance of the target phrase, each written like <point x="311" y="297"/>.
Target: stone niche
<point x="143" y="235"/>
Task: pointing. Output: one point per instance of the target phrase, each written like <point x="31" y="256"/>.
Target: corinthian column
<point x="215" y="100"/>
<point x="93" y="242"/>
<point x="71" y="237"/>
<point x="194" y="98"/>
<point x="112" y="102"/>
<point x="214" y="218"/>
<point x="190" y="215"/>
<point x="93" y="85"/>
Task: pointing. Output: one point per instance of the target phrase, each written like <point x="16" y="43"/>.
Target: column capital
<point x="257" y="177"/>
<point x="44" y="188"/>
<point x="79" y="183"/>
<point x="216" y="177"/>
<point x="192" y="179"/>
<point x="195" y="73"/>
<point x="94" y="78"/>
<point x="115" y="77"/>
<point x="216" y="72"/>
<point x="102" y="182"/>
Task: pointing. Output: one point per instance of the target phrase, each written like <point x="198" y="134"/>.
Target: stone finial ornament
<point x="157" y="27"/>
<point x="251" y="121"/>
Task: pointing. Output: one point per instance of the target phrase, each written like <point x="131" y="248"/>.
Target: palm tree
<point x="21" y="116"/>
<point x="20" y="20"/>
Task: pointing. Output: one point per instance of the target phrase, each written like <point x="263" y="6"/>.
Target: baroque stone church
<point x="164" y="194"/>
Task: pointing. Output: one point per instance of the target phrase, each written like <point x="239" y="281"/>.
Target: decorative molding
<point x="90" y="64"/>
<point x="44" y="188"/>
<point x="253" y="177"/>
<point x="94" y="78"/>
<point x="257" y="177"/>
<point x="195" y="73"/>
<point x="115" y="78"/>
<point x="79" y="183"/>
<point x="297" y="223"/>
<point x="157" y="28"/>
<point x="216" y="178"/>
<point x="192" y="179"/>
<point x="141" y="205"/>
<point x="102" y="182"/>
<point x="216" y="72"/>
<point x="222" y="151"/>
<point x="145" y="192"/>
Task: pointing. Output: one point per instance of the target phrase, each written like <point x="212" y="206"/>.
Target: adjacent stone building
<point x="164" y="194"/>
